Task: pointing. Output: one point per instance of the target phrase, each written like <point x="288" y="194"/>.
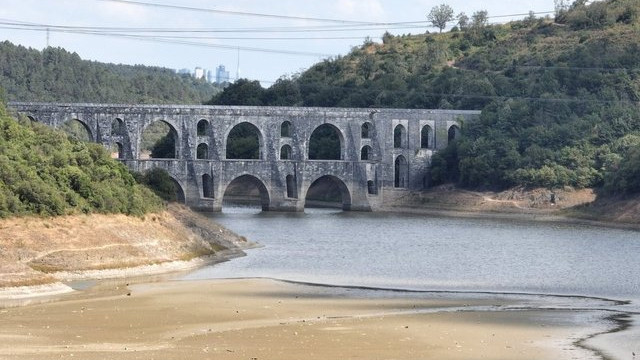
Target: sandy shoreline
<point x="267" y="319"/>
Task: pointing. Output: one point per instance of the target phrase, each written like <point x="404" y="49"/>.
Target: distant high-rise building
<point x="198" y="73"/>
<point x="210" y="76"/>
<point x="222" y="76"/>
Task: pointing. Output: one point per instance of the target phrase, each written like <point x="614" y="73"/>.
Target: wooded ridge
<point x="559" y="96"/>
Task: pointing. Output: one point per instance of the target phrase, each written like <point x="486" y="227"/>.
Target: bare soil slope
<point x="33" y="250"/>
<point x="567" y="203"/>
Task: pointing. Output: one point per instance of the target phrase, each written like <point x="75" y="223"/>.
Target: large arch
<point x="401" y="172"/>
<point x="165" y="184"/>
<point x="180" y="197"/>
<point x="338" y="183"/>
<point x="77" y="129"/>
<point x="326" y="143"/>
<point x="178" y="191"/>
<point x="117" y="150"/>
<point x="265" y="198"/>
<point x="244" y="141"/>
<point x="159" y="140"/>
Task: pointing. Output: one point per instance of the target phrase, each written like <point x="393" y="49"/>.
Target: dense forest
<point x="47" y="172"/>
<point x="55" y="74"/>
<point x="559" y="96"/>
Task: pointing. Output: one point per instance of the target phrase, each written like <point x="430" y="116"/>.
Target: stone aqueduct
<point x="383" y="152"/>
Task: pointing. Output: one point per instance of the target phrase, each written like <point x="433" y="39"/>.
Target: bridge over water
<point x="383" y="152"/>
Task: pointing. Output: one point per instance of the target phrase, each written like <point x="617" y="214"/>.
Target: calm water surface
<point x="434" y="253"/>
<point x="412" y="252"/>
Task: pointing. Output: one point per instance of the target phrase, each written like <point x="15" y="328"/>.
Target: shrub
<point x="43" y="172"/>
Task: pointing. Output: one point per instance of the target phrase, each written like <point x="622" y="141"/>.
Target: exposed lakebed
<point x="545" y="265"/>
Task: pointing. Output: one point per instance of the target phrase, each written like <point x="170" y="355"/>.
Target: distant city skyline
<point x="256" y="39"/>
<point x="220" y="76"/>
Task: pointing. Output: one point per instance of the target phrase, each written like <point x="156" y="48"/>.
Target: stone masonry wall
<point x="363" y="182"/>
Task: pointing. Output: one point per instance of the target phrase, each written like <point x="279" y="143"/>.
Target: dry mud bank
<point x="560" y="205"/>
<point x="266" y="319"/>
<point x="37" y="253"/>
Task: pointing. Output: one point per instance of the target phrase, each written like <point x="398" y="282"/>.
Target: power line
<point x="228" y="12"/>
<point x="264" y="37"/>
<point x="523" y="14"/>
<point x="194" y="37"/>
<point x="287" y="17"/>
<point x="401" y="25"/>
<point x="347" y="25"/>
<point x="178" y="42"/>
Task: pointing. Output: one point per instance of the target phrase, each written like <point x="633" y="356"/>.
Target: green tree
<point x="160" y="182"/>
<point x="165" y="147"/>
<point x="284" y="92"/>
<point x="440" y="15"/>
<point x="54" y="74"/>
<point x="45" y="172"/>
<point x="463" y="21"/>
<point x="479" y="19"/>
<point x="241" y="92"/>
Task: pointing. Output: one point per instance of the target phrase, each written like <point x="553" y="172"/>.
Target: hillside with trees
<point x="45" y="172"/>
<point x="559" y="96"/>
<point x="57" y="75"/>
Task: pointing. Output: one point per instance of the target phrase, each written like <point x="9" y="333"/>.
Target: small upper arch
<point x="366" y="130"/>
<point x="366" y="153"/>
<point x="400" y="137"/>
<point x="286" y="152"/>
<point x="202" y="151"/>
<point x="453" y="133"/>
<point x="426" y="137"/>
<point x="203" y="127"/>
<point x="286" y="129"/>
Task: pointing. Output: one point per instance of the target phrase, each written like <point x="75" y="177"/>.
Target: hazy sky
<point x="254" y="64"/>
